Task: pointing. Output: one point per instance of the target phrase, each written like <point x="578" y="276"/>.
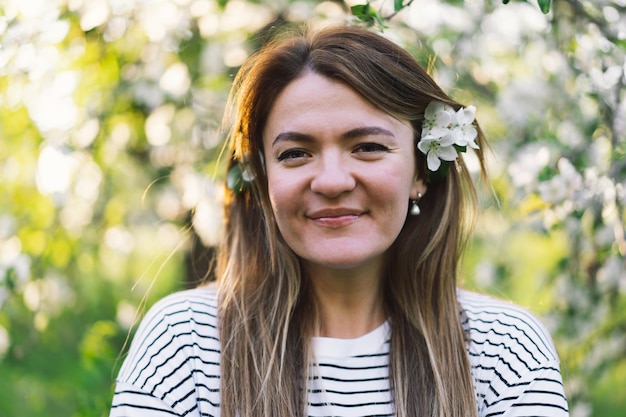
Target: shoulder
<point x="513" y="359"/>
<point x="174" y="329"/>
<point x="173" y="361"/>
<point x="180" y="312"/>
<point x="198" y="303"/>
<point x="491" y="321"/>
<point x="201" y="300"/>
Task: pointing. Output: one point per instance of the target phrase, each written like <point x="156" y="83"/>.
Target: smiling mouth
<point x="335" y="217"/>
<point x="336" y="221"/>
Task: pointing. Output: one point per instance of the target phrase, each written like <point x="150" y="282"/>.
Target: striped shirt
<point x="173" y="366"/>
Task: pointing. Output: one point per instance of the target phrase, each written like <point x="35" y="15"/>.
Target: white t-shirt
<point x="172" y="368"/>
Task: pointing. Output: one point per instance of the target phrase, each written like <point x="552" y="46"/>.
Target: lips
<point x="334" y="217"/>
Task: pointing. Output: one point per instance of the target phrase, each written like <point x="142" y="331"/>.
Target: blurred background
<point x="110" y="179"/>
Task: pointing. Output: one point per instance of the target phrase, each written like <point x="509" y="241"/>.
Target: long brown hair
<point x="265" y="305"/>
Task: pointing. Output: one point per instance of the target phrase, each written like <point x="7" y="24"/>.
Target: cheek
<point x="395" y="185"/>
<point x="282" y="197"/>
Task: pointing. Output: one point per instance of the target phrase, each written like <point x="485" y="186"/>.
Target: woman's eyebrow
<point x="350" y="134"/>
<point x="367" y="131"/>
<point x="293" y="136"/>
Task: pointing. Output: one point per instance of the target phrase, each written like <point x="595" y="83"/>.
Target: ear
<point x="418" y="189"/>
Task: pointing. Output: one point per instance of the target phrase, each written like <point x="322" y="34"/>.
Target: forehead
<point x="316" y="103"/>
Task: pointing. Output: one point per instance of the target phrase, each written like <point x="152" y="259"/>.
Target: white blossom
<point x="444" y="131"/>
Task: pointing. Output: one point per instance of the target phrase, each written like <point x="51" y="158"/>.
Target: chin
<point x="344" y="263"/>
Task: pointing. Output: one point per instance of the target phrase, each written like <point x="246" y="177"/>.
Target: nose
<point x="333" y="176"/>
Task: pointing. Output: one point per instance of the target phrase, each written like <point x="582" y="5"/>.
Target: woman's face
<point x="340" y="173"/>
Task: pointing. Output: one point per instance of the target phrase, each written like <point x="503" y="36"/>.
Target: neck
<point x="349" y="303"/>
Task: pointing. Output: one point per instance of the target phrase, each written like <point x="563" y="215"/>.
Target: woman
<point x="348" y="208"/>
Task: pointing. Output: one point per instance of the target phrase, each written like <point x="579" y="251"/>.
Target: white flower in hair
<point x="445" y="132"/>
<point x="247" y="175"/>
<point x="438" y="149"/>
<point x="437" y="120"/>
<point x="464" y="131"/>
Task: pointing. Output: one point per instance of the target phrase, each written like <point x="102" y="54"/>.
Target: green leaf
<point x="360" y="10"/>
<point x="234" y="179"/>
<point x="544" y="5"/>
<point x="398" y="5"/>
<point x="505" y="1"/>
<point x="366" y="14"/>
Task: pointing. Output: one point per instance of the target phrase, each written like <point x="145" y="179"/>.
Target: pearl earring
<point x="415" y="209"/>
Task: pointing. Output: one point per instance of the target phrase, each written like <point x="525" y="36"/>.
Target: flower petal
<point x="448" y="139"/>
<point x="432" y="109"/>
<point x="247" y="174"/>
<point x="437" y="132"/>
<point x="433" y="161"/>
<point x="447" y="153"/>
<point x="458" y="137"/>
<point x="470" y="134"/>
<point x="443" y="119"/>
<point x="466" y="115"/>
<point x="426" y="144"/>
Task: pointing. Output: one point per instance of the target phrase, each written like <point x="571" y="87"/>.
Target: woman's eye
<point x="292" y="154"/>
<point x="371" y="147"/>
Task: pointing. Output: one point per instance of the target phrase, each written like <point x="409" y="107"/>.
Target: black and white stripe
<point x="351" y="376"/>
<point x="173" y="365"/>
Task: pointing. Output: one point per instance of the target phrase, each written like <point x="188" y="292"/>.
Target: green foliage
<point x="544" y="5"/>
<point x="367" y="15"/>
